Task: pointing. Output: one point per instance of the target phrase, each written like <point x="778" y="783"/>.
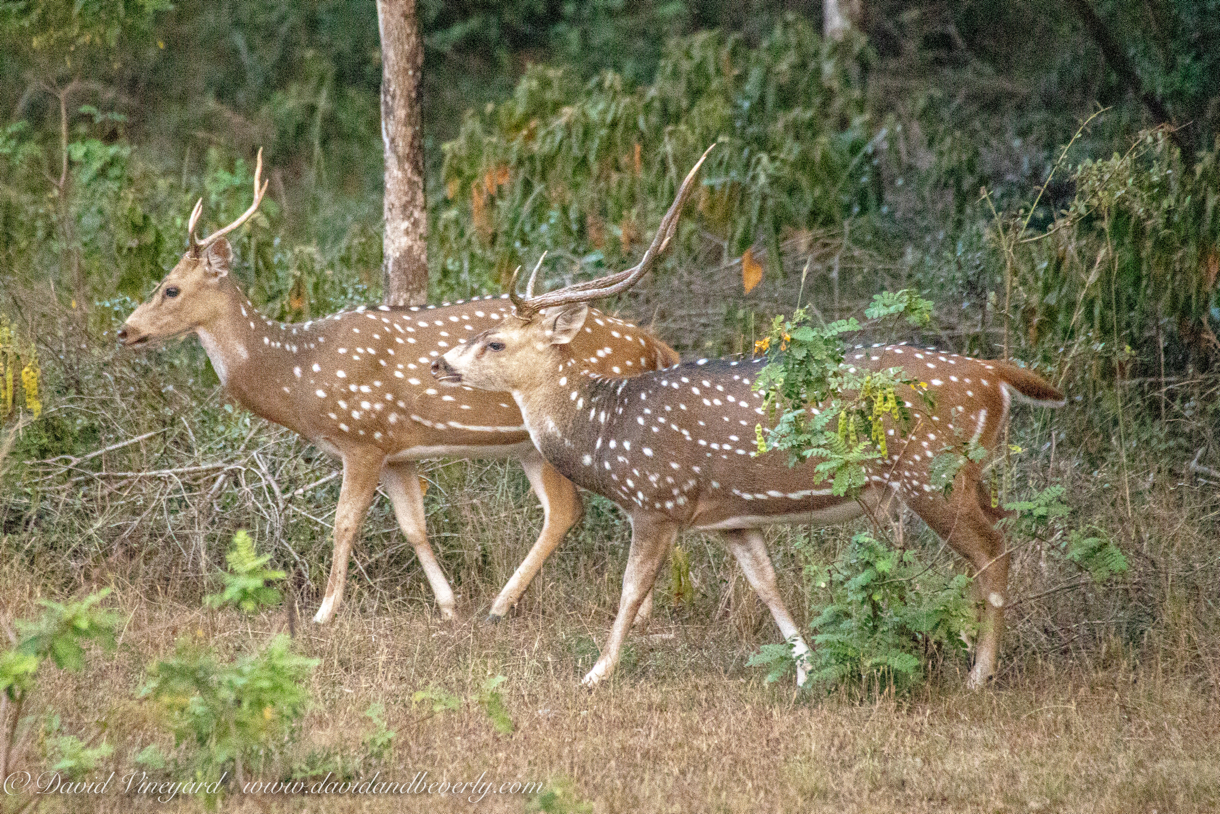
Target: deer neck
<point x="248" y="352"/>
<point x="565" y="410"/>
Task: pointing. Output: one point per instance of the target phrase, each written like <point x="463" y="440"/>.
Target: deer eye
<point x="171" y="291"/>
<point x="495" y="346"/>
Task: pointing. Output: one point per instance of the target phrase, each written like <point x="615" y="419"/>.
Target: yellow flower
<point x="761" y="345"/>
<point x="29" y="383"/>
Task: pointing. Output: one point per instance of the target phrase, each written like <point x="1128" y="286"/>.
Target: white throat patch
<point x="216" y="352"/>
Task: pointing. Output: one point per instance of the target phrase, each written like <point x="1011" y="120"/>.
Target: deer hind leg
<point x="650" y="544"/>
<point x="360" y="473"/>
<point x="966" y="522"/>
<point x="644" y="613"/>
<point x="561" y="509"/>
<point x="402" y="485"/>
<point x="750" y="549"/>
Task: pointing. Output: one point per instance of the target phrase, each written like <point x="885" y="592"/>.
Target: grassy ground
<point x="684" y="725"/>
<point x="1108" y="698"/>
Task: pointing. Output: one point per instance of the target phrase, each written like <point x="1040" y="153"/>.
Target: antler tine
<point x="190" y="226"/>
<point x="518" y="303"/>
<point x="623" y="280"/>
<point x="529" y="287"/>
<point x="259" y="191"/>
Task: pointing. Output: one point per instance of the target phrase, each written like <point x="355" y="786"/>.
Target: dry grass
<point x="684" y="726"/>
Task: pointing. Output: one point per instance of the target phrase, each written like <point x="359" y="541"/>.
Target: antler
<point x="614" y="283"/>
<point x="197" y="246"/>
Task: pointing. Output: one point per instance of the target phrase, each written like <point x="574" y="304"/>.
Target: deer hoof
<point x="325" y="612"/>
<point x="978" y="678"/>
<point x="493" y="619"/>
<point x="593" y="678"/>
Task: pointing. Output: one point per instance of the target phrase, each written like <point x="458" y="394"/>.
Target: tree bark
<point x="405" y="264"/>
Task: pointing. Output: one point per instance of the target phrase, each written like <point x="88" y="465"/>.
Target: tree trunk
<point x="405" y="265"/>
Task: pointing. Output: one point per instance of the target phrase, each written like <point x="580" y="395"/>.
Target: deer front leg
<point x="402" y="485"/>
<point x="361" y="469"/>
<point x="650" y="543"/>
<point x="561" y="509"/>
<point x="750" y="549"/>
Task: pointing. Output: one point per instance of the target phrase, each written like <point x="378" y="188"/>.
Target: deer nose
<point x="122" y="334"/>
<point x="441" y="368"/>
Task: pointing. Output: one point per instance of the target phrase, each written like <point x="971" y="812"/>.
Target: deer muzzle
<point x="129" y="338"/>
<point x="444" y="373"/>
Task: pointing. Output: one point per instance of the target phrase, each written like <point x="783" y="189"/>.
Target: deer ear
<point x="563" y="322"/>
<point x="218" y="257"/>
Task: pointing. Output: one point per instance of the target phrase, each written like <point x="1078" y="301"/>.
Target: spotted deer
<point x="356" y="385"/>
<point x="674" y="449"/>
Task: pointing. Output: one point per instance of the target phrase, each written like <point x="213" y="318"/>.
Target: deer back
<point x="361" y="376"/>
<point x="682" y="441"/>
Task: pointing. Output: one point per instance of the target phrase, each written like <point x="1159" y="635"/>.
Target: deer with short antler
<point x="356" y="385"/>
<point x="674" y="448"/>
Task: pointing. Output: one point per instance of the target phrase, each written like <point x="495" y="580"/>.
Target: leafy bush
<point x="1133" y="258"/>
<point x="60" y="635"/>
<point x="581" y="170"/>
<point x="885" y="613"/>
<point x="245" y="583"/>
<point x="1095" y="553"/>
<point x="805" y="367"/>
<point x="236" y="714"/>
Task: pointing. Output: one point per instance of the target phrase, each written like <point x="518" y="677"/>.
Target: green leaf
<point x="438" y="699"/>
<point x="493" y="704"/>
<point x="245" y="582"/>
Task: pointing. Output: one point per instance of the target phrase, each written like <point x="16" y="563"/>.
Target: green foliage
<point x="152" y="758"/>
<point x="947" y="462"/>
<point x="437" y="699"/>
<point x="59" y="33"/>
<point x="558" y="798"/>
<point x="1042" y="515"/>
<point x="492" y="702"/>
<point x="1095" y="553"/>
<point x="581" y="170"/>
<point x="59" y="634"/>
<point x="245" y="583"/>
<point x="828" y="410"/>
<point x="62" y="631"/>
<point x="1042" y="508"/>
<point x="74" y="758"/>
<point x="1172" y="45"/>
<point x="17" y="671"/>
<point x="488" y="698"/>
<point x="1134" y="253"/>
<point x="907" y="304"/>
<point x="235" y="713"/>
<point x="884" y="614"/>
<point x="379" y="743"/>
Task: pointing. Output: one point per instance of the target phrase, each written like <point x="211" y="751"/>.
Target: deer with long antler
<point x="673" y="448"/>
<point x="356" y="384"/>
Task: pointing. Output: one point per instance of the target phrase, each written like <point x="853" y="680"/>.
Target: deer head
<point x="190" y="295"/>
<point x="515" y="355"/>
